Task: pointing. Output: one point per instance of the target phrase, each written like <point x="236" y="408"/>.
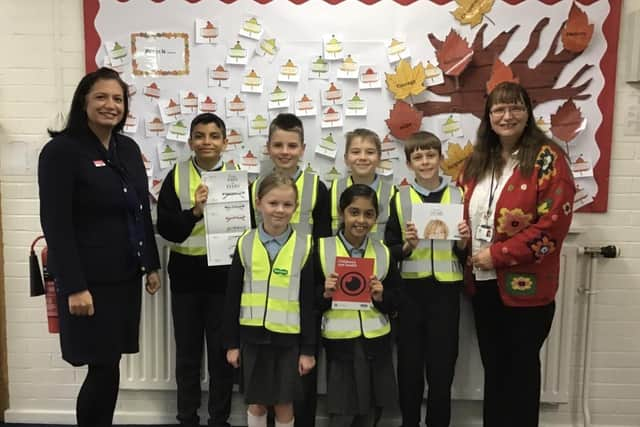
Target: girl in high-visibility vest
<point x="269" y="311"/>
<point x="362" y="156"/>
<point x="361" y="379"/>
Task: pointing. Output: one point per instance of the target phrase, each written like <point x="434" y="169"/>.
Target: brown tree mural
<point x="467" y="95"/>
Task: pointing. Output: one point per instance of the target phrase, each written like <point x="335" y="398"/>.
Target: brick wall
<point x="43" y="60"/>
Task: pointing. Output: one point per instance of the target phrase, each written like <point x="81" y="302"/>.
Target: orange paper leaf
<point x="471" y="11"/>
<point x="500" y="73"/>
<point x="454" y="55"/>
<point x="403" y="120"/>
<point x="577" y="32"/>
<point x="567" y="122"/>
<point x="406" y="81"/>
<point x="456" y="155"/>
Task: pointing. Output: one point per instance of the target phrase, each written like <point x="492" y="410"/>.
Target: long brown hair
<point x="487" y="152"/>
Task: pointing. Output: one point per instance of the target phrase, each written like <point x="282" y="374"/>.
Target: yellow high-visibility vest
<point x="271" y="290"/>
<point x="185" y="181"/>
<point x="431" y="257"/>
<point x="345" y="324"/>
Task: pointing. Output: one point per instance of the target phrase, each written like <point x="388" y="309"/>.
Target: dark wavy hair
<point x="77" y="122"/>
<point x="487" y="152"/>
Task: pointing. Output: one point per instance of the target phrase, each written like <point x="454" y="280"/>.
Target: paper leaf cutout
<point x="406" y="81"/>
<point x="500" y="73"/>
<point x="471" y="11"/>
<point x="577" y="32"/>
<point x="403" y="120"/>
<point x="567" y="122"/>
<point x="454" y="55"/>
<point x="456" y="155"/>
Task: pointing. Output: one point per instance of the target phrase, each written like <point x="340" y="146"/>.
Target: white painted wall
<point x="42" y="62"/>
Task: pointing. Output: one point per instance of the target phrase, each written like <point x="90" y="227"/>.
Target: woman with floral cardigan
<point x="518" y="199"/>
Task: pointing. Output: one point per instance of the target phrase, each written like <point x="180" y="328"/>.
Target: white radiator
<point x="153" y="367"/>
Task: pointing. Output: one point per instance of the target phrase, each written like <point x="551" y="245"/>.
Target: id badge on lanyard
<point x="484" y="233"/>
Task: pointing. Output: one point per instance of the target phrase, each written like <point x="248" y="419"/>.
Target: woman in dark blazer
<point x="95" y="215"/>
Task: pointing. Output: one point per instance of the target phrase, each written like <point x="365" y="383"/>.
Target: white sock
<point x="289" y="424"/>
<point x="256" y="420"/>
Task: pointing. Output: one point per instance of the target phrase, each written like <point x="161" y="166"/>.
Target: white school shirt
<point x="478" y="208"/>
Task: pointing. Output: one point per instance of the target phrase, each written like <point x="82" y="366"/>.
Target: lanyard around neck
<point x="492" y="191"/>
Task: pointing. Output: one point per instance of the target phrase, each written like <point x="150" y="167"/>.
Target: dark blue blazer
<point x="97" y="233"/>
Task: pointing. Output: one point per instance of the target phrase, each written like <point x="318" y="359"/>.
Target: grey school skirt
<point x="355" y="386"/>
<point x="270" y="374"/>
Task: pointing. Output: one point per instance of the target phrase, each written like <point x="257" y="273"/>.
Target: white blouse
<point x="479" y="206"/>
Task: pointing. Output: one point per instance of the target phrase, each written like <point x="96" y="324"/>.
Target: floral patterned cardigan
<point x="533" y="215"/>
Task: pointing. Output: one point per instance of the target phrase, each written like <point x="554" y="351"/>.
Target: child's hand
<point x="233" y="357"/>
<point x="376" y="289"/>
<point x="201" y="194"/>
<point x="410" y="238"/>
<point x="465" y="234"/>
<point x="330" y="283"/>
<point x="306" y="364"/>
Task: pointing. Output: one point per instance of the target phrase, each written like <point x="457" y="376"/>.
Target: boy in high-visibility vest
<point x="362" y="155"/>
<point x="285" y="147"/>
<point x="432" y="281"/>
<point x="197" y="290"/>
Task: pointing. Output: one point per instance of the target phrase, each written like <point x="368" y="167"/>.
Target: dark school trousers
<point x="428" y="347"/>
<point x="510" y="339"/>
<point x="196" y="316"/>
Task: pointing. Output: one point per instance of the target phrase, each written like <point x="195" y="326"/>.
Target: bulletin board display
<point x="391" y="66"/>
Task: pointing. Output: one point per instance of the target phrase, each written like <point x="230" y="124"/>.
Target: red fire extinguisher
<point x="49" y="288"/>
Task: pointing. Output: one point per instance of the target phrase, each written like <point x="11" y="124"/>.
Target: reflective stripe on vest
<point x="436" y="254"/>
<point x="383" y="192"/>
<point x="186" y="179"/>
<point x="345" y="324"/>
<point x="271" y="292"/>
<point x="302" y="219"/>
